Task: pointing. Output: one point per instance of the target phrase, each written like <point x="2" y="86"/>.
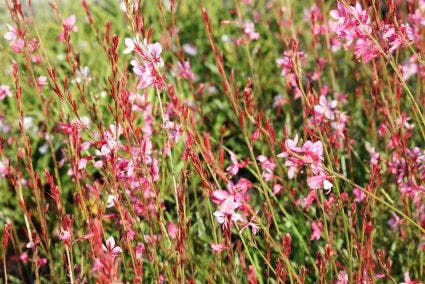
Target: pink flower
<point x="24" y="257"/>
<point x="233" y="169"/>
<point x="318" y="181"/>
<point x="316" y="230"/>
<point x="217" y="248"/>
<point x="109" y="246"/>
<point x="365" y="50"/>
<point x="41" y="261"/>
<point x="140" y="249"/>
<point x="15" y="37"/>
<point x="268" y="166"/>
<point x="254" y="227"/>
<point x="313" y="152"/>
<point x="130" y="45"/>
<point x="172" y="230"/>
<point x="410" y="68"/>
<point x="218" y="196"/>
<point x="248" y="29"/>
<point x="82" y="163"/>
<point x="147" y="74"/>
<point x="350" y="23"/>
<point x="69" y="23"/>
<point x="65" y="235"/>
<point x="183" y="71"/>
<point x="17" y="45"/>
<point x="5" y="92"/>
<point x="325" y="108"/>
<point x="374" y="157"/>
<point x="342" y="278"/>
<point x="359" y="194"/>
<point x="226" y="214"/>
<point x="12" y="34"/>
<point x="407" y="279"/>
<point x="394" y="38"/>
<point x="311" y="197"/>
<point x="395" y="222"/>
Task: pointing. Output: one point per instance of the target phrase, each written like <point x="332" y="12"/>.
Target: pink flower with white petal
<point x="318" y="181"/>
<point x="233" y="169"/>
<point x="326" y="108"/>
<point x="130" y="45"/>
<point x="226" y="213"/>
<point x="12" y="33"/>
<point x="110" y="247"/>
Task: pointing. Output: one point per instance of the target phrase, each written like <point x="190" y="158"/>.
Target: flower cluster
<point x="146" y="66"/>
<point x="309" y="154"/>
<point x="353" y="26"/>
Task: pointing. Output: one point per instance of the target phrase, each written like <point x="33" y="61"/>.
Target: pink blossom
<point x="311" y="197"/>
<point x="109" y="246"/>
<point x="15" y="37"/>
<point x="12" y="33"/>
<point x="313" y="152"/>
<point x="342" y="278"/>
<point x="409" y="68"/>
<point x="226" y="213"/>
<point x="172" y="230"/>
<point x="317" y="181"/>
<point x="374" y="157"/>
<point x="268" y="166"/>
<point x="277" y="188"/>
<point x="217" y="248"/>
<point x="41" y="261"/>
<point x="365" y="50"/>
<point x="17" y="45"/>
<point x="24" y="257"/>
<point x="190" y="49"/>
<point x="248" y="29"/>
<point x="140" y="249"/>
<point x="394" y="38"/>
<point x="407" y="279"/>
<point x="69" y="23"/>
<point x="183" y="71"/>
<point x="130" y="45"/>
<point x="254" y="227"/>
<point x="82" y="163"/>
<point x="316" y="230"/>
<point x="65" y="235"/>
<point x="5" y="92"/>
<point x="359" y="194"/>
<point x="395" y="222"/>
<point x="325" y="108"/>
<point x="147" y="74"/>
<point x="233" y="169"/>
<point x="218" y="196"/>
